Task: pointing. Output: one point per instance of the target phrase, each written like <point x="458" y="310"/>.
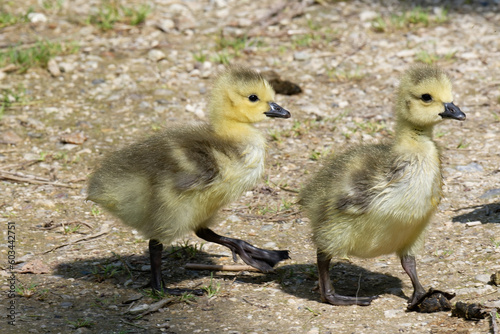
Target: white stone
<point x="156" y="55"/>
<point x="368" y="15"/>
<point x="482" y="278"/>
<point x="394" y="313"/>
<point x="139" y="309"/>
<point x="37" y="17"/>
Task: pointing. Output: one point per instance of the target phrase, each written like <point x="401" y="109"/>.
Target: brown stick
<point x="218" y="267"/>
<point x="494" y="325"/>
<point x="104" y="230"/>
<point x="33" y="179"/>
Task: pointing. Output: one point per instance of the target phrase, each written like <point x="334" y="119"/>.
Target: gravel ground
<point x="79" y="270"/>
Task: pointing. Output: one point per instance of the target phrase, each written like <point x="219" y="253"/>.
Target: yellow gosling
<point x="175" y="182"/>
<point x="378" y="199"/>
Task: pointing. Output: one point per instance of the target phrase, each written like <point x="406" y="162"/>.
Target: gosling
<point x="176" y="181"/>
<point x="378" y="199"/>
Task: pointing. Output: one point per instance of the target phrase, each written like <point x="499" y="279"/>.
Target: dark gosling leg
<point x="410" y="266"/>
<point x="155" y="250"/>
<point x="262" y="259"/>
<point x="326" y="289"/>
<point x="157" y="284"/>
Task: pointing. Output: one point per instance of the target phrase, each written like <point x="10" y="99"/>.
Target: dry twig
<point x="218" y="267"/>
<point x="33" y="179"/>
<point x="104" y="230"/>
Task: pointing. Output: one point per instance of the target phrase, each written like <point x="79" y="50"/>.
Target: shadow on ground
<point x="488" y="213"/>
<point x="299" y="280"/>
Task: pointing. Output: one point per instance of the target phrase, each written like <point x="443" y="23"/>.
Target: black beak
<point x="452" y="111"/>
<point x="277" y="111"/>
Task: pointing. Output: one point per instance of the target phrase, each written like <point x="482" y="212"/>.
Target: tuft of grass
<point x="154" y="294"/>
<point x="95" y="211"/>
<point x="37" y="55"/>
<point x="187" y="298"/>
<point x="26" y="290"/>
<point x="79" y="323"/>
<point x="185" y="251"/>
<point x="425" y="57"/>
<point x="221" y="58"/>
<point x="71" y="229"/>
<point x="200" y="57"/>
<point x="8" y="19"/>
<point x="416" y="17"/>
<point x="285" y="205"/>
<point x="431" y="58"/>
<point x="496" y="243"/>
<point x="212" y="289"/>
<point x="462" y="144"/>
<point x="316" y="155"/>
<point x="227" y="48"/>
<point x="11" y="97"/>
<point x="494" y="114"/>
<point x="52" y="4"/>
<point x="111" y="13"/>
<point x="103" y="272"/>
<point x="338" y="74"/>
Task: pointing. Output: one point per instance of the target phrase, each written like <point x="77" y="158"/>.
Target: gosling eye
<point x="253" y="98"/>
<point x="426" y="98"/>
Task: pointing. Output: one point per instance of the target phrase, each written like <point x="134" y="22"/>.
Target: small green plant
<point x="462" y="144"/>
<point x="285" y="205"/>
<point x="137" y="16"/>
<point x="103" y="272"/>
<point x="314" y="313"/>
<point x="315" y="155"/>
<point x="418" y="15"/>
<point x="154" y="294"/>
<point x="494" y="114"/>
<point x="496" y="243"/>
<point x="337" y="74"/>
<point x="187" y="298"/>
<point x="26" y="290"/>
<point x="440" y="134"/>
<point x="303" y="40"/>
<point x="61" y="156"/>
<point x="35" y="56"/>
<point x="200" y="57"/>
<point x="8" y="19"/>
<point x="222" y="57"/>
<point x="275" y="135"/>
<point x="81" y="323"/>
<point x="212" y="289"/>
<point x="10" y="98"/>
<point x="111" y="13"/>
<point x="42" y="294"/>
<point x="71" y="229"/>
<point x="185" y="251"/>
<point x="425" y="57"/>
<point x="52" y="4"/>
<point x="267" y="209"/>
<point x="379" y="24"/>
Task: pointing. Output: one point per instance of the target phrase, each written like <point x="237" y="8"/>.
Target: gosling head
<point x="244" y="96"/>
<point x="425" y="98"/>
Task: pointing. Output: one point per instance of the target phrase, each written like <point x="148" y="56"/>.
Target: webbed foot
<point x="262" y="259"/>
<point x="336" y="299"/>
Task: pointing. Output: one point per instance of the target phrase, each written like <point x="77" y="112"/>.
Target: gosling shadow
<point x="134" y="271"/>
<point x="348" y="279"/>
<point x="487" y="213"/>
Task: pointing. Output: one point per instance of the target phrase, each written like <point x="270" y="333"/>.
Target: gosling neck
<point x="244" y="133"/>
<point x="409" y="131"/>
